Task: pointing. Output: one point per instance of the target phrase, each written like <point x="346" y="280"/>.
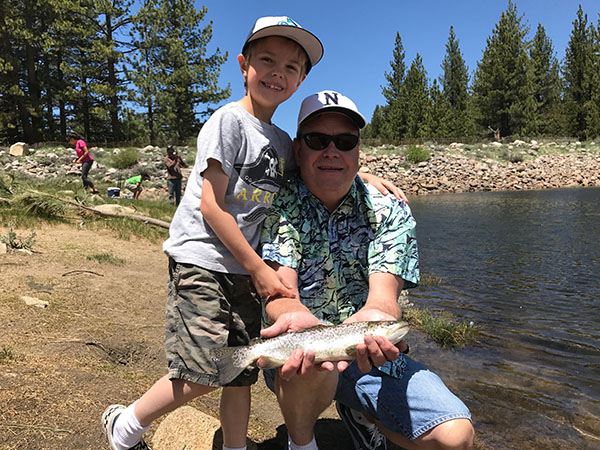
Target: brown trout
<point x="328" y="342"/>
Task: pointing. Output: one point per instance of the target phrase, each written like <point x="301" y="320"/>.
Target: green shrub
<point x="125" y="158"/>
<point x="14" y="242"/>
<point x="415" y="154"/>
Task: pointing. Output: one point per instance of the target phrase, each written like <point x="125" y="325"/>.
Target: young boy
<point x="216" y="277"/>
<point x="134" y="184"/>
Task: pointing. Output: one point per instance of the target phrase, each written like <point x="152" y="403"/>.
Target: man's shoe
<point x="108" y="419"/>
<point x="365" y="435"/>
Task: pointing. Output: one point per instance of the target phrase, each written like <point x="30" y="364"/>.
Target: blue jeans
<point x="174" y="185"/>
<point x="85" y="169"/>
<point x="403" y="395"/>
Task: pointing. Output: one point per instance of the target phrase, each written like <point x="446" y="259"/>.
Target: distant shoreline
<point x="459" y="168"/>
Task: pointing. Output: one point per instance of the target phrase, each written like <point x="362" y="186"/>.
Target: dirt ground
<point x="99" y="341"/>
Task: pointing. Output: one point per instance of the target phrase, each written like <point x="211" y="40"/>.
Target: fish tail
<point x="227" y="360"/>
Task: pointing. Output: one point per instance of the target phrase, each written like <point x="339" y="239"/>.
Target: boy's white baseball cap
<point x="288" y="28"/>
<point x="329" y="101"/>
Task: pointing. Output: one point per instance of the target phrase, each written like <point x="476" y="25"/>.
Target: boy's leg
<point x="235" y="406"/>
<point x="228" y="308"/>
<point x="410" y="405"/>
<point x="165" y="396"/>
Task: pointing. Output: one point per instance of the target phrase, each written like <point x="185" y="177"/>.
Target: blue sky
<point x="358" y="38"/>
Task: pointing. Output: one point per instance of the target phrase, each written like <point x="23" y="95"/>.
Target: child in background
<point x="134" y="184"/>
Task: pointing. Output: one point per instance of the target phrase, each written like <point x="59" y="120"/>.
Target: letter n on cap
<point x="333" y="96"/>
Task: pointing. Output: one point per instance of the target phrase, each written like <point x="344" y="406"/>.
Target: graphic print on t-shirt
<point x="265" y="176"/>
<point x="265" y="172"/>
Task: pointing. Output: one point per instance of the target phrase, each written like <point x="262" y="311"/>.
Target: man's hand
<point x="299" y="363"/>
<point x="376" y="350"/>
<point x="293" y="321"/>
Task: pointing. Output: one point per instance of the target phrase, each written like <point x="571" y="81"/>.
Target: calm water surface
<point x="525" y="267"/>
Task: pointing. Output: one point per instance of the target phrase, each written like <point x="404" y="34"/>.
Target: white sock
<point x="312" y="445"/>
<point x="127" y="431"/>
<point x="233" y="448"/>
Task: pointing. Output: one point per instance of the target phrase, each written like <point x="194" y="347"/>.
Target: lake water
<point x="525" y="268"/>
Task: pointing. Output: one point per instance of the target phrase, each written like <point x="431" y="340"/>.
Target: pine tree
<point x="503" y="84"/>
<point x="187" y="76"/>
<point x="580" y="71"/>
<point x="144" y="63"/>
<point x="374" y="128"/>
<point x="438" y="123"/>
<point x="394" y="114"/>
<point x="22" y="28"/>
<point x="416" y="93"/>
<point x="455" y="81"/>
<point x="546" y="83"/>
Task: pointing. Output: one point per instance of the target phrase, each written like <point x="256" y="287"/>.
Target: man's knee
<point x="457" y="434"/>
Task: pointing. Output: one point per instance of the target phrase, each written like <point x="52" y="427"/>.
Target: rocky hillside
<point x="452" y="168"/>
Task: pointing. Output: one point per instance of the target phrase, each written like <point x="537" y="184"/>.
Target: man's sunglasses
<point x="319" y="141"/>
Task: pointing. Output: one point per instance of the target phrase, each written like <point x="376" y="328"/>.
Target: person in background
<point x="84" y="158"/>
<point x="174" y="164"/>
<point x="348" y="251"/>
<point x="134" y="184"/>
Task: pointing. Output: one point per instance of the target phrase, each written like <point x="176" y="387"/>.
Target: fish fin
<point x="225" y="360"/>
<point x="272" y="363"/>
<point x="351" y="351"/>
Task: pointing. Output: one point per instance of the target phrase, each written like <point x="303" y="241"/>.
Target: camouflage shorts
<point x="206" y="310"/>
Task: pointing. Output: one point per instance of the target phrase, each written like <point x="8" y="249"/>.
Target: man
<point x="349" y="251"/>
<point x="174" y="164"/>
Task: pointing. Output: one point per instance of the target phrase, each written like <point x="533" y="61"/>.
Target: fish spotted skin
<point x="328" y="342"/>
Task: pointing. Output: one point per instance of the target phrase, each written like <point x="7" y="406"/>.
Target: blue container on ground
<point x="114" y="192"/>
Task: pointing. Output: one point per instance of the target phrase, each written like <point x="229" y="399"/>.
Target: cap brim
<point x="304" y="38"/>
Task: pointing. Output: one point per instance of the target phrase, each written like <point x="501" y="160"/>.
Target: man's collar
<point x="303" y="192"/>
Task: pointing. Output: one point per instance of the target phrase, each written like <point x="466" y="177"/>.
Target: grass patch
<point x="29" y="203"/>
<point x="7" y="356"/>
<point x="445" y="330"/>
<point x="430" y="280"/>
<point x="107" y="258"/>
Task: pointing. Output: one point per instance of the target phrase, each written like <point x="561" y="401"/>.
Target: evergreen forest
<point x="115" y="71"/>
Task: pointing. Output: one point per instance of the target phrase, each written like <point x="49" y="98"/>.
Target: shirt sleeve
<point x="394" y="248"/>
<point x="220" y="139"/>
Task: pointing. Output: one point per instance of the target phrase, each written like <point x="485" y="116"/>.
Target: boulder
<point x="187" y="428"/>
<point x="19" y="149"/>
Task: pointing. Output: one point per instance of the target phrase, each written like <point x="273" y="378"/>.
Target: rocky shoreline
<point x="456" y="167"/>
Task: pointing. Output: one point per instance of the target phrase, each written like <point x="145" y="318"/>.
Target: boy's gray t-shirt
<point x="254" y="155"/>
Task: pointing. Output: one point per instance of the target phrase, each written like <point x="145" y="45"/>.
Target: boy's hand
<point x="384" y="186"/>
<point x="268" y="283"/>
